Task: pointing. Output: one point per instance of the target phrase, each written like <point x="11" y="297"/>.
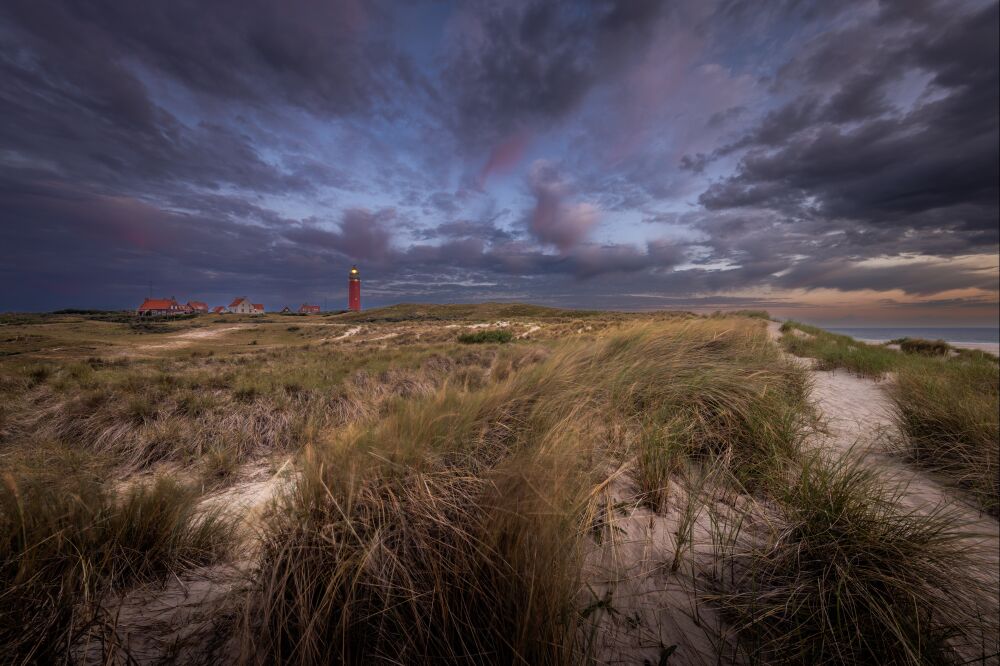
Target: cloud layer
<point x="619" y="154"/>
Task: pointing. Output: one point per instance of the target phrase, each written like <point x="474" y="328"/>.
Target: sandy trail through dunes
<point x="633" y="569"/>
<point x="190" y="337"/>
<point x="858" y="415"/>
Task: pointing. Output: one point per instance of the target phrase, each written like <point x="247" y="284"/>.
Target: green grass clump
<point x="949" y="412"/>
<point x="921" y="346"/>
<point x="65" y="543"/>
<point x="853" y="578"/>
<point x="834" y="351"/>
<point x="498" y="336"/>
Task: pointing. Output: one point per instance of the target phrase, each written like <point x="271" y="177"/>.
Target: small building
<point x="241" y="305"/>
<point x="286" y="310"/>
<point x="160" y="307"/>
<point x="219" y="309"/>
<point x="198" y="306"/>
<point x="305" y="308"/>
<point x="258" y="308"/>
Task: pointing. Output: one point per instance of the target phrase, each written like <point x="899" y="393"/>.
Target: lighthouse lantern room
<point x="354" y="290"/>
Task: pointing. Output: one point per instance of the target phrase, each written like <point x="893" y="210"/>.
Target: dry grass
<point x="66" y="542"/>
<point x="950" y="416"/>
<point x="847" y="576"/>
<point x="442" y="500"/>
<point x="454" y="528"/>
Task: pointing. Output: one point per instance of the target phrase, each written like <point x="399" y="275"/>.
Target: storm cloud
<point x="610" y="154"/>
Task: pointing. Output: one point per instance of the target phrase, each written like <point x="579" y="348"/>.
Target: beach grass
<point x="66" y="542"/>
<point x="417" y="500"/>
<point x="846" y="575"/>
<point x="453" y="529"/>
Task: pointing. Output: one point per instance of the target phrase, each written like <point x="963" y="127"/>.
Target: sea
<point x="946" y="334"/>
<point x="987" y="339"/>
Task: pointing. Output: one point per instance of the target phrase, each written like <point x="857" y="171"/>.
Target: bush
<point x="497" y="335"/>
<point x="924" y="347"/>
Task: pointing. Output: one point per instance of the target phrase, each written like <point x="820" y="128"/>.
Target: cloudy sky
<point x="832" y="161"/>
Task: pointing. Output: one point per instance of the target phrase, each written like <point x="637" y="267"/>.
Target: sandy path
<point x="858" y="416"/>
<point x="190" y="337"/>
<point x="346" y="334"/>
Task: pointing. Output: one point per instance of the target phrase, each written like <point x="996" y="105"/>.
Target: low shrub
<point x="921" y="346"/>
<point x="497" y="335"/>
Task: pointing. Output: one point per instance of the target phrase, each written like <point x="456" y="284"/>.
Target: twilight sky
<point x="832" y="161"/>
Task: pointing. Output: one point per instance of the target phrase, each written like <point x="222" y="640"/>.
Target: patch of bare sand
<point x="188" y="618"/>
<point x="642" y="570"/>
<point x="189" y="337"/>
<point x="343" y="336"/>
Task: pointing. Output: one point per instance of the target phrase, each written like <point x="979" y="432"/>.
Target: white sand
<point x="190" y="337"/>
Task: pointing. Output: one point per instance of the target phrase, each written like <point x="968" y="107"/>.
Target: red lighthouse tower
<point x="354" y="290"/>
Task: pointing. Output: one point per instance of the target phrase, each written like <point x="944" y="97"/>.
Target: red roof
<point x="198" y="305"/>
<point x="309" y="308"/>
<point x="218" y="309"/>
<point x="237" y="301"/>
<point x="158" y="304"/>
<point x="258" y="306"/>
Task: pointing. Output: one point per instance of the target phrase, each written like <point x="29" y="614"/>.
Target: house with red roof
<point x="308" y="309"/>
<point x="240" y="305"/>
<point x="219" y="309"/>
<point x="198" y="306"/>
<point x="258" y="308"/>
<point x="159" y="307"/>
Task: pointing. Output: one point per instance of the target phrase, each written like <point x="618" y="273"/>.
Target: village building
<point x="219" y="309"/>
<point x="241" y="305"/>
<point x="198" y="306"/>
<point x="286" y="310"/>
<point x="308" y="309"/>
<point x="160" y="307"/>
<point x="258" y="308"/>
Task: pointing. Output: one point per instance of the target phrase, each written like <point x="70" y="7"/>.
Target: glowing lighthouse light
<point x="354" y="290"/>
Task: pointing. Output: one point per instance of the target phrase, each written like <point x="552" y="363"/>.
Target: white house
<point x="241" y="305"/>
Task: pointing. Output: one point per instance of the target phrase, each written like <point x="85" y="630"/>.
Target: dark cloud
<point x="499" y="150"/>
<point x="852" y="156"/>
<point x="532" y="63"/>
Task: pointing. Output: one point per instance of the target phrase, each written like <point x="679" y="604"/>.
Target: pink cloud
<point x="552" y="220"/>
<point x="505" y="155"/>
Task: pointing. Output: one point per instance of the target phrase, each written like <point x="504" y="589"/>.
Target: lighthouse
<point x="354" y="290"/>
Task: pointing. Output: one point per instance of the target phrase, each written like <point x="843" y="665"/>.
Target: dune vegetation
<point x="370" y="488"/>
<point x="946" y="401"/>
